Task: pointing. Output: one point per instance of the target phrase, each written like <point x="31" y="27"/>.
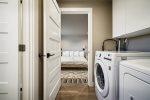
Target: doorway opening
<point x="76" y="46"/>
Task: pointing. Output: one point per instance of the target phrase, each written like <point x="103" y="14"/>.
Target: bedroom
<point x="74" y="49"/>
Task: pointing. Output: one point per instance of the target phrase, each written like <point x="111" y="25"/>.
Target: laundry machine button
<point x="109" y="67"/>
<point x="99" y="55"/>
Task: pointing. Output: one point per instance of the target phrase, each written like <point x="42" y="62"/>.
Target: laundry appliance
<point x="135" y="80"/>
<point x="106" y="72"/>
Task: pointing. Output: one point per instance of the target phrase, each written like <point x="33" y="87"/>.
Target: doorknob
<point x="49" y="55"/>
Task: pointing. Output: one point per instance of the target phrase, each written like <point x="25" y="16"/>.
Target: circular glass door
<point x="101" y="78"/>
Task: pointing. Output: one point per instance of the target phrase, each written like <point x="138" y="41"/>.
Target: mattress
<point x="73" y="60"/>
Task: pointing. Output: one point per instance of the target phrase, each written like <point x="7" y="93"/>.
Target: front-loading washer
<point x="106" y="72"/>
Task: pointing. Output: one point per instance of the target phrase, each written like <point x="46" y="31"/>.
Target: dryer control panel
<point x="108" y="56"/>
<point x="98" y="55"/>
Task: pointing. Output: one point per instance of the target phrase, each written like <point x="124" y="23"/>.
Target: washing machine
<point x="106" y="72"/>
<point x="135" y="80"/>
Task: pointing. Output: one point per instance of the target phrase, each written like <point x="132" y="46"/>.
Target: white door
<point x="52" y="50"/>
<point x="9" y="50"/>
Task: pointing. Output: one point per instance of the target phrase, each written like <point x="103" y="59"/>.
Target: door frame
<point x="90" y="36"/>
<point x="30" y="84"/>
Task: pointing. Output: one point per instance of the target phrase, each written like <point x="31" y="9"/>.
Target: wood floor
<point x="76" y="92"/>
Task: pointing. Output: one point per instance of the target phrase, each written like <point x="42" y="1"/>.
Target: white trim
<point x="31" y="47"/>
<point x="90" y="36"/>
<point x="28" y="55"/>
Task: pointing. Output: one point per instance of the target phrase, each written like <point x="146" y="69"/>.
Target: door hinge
<point x="20" y="89"/>
<point x="21" y="1"/>
<point x="22" y="47"/>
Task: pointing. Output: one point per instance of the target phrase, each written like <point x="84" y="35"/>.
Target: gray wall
<point x="74" y="31"/>
<point x="140" y="43"/>
<point x="74" y="24"/>
<point x="76" y="42"/>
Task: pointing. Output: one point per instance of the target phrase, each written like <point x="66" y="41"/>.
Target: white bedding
<point x="73" y="60"/>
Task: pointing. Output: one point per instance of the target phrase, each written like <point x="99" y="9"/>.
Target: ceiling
<point x="74" y="24"/>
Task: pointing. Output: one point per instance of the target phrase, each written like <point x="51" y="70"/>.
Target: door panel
<point x="55" y="45"/>
<point x="4" y="40"/>
<point x="54" y="28"/>
<point x="3" y="58"/>
<point x="4" y="88"/>
<point x="53" y="82"/>
<point x="52" y="39"/>
<point x="3" y="73"/>
<point x="53" y="74"/>
<point x="4" y="8"/>
<point x="53" y="11"/>
<point x="52" y="65"/>
<point x="9" y="50"/>
<point x="53" y="93"/>
<point x="3" y="26"/>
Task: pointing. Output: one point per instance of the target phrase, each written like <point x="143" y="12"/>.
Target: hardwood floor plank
<point x="76" y="92"/>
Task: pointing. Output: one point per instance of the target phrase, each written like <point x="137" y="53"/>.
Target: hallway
<point x="76" y="92"/>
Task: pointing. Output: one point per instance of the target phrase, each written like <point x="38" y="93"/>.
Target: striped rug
<point x="74" y="77"/>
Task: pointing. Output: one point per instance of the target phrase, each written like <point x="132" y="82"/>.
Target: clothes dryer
<point x="135" y="80"/>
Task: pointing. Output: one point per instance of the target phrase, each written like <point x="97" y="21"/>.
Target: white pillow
<point x="76" y="54"/>
<point x="81" y="53"/>
<point x="71" y="53"/>
<point x="66" y="53"/>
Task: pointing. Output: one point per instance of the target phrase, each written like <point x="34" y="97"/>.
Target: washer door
<point x="101" y="78"/>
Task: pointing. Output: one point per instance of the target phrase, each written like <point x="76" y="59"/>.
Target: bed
<point x="73" y="59"/>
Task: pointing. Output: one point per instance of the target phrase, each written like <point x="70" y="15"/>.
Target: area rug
<point x="74" y="76"/>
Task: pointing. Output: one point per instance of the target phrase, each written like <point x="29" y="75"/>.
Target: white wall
<point x="70" y="42"/>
